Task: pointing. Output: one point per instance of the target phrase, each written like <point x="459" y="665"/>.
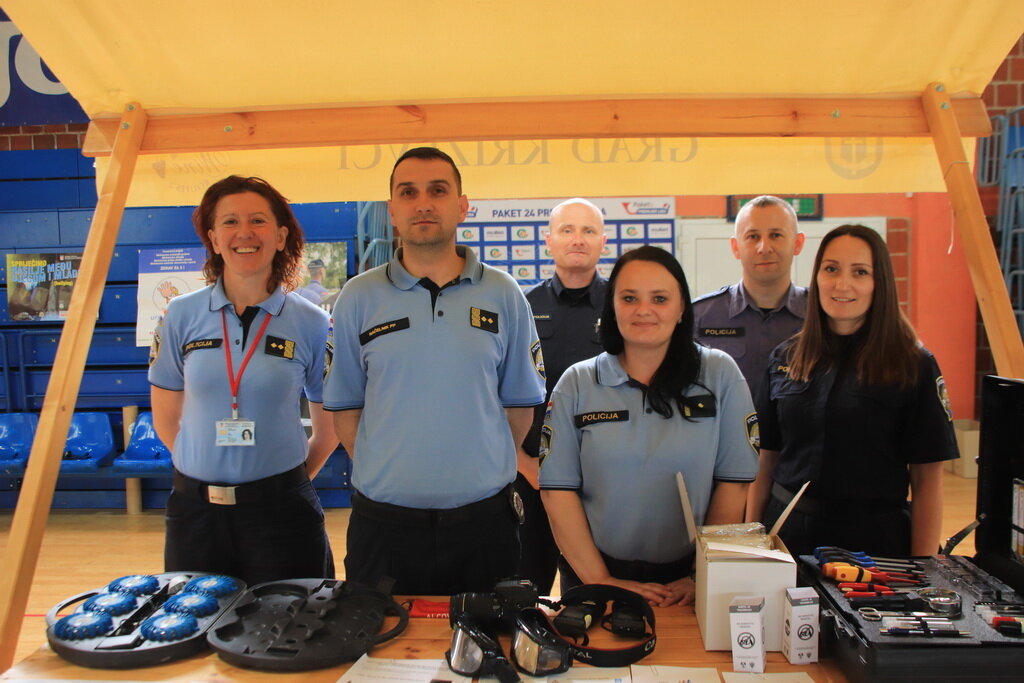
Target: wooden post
<point x="132" y="485"/>
<point x="26" y="536"/>
<point x="989" y="287"/>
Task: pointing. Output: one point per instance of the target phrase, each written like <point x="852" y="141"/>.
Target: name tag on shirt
<point x="599" y="416"/>
<point x="723" y="331"/>
<point x="200" y="344"/>
<point x="382" y="329"/>
<point x="236" y="433"/>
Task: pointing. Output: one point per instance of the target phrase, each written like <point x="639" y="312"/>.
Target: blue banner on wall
<point x="29" y="92"/>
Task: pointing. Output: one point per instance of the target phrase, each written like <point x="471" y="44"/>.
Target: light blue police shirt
<point x="433" y="384"/>
<point x="289" y="359"/>
<point x="601" y="440"/>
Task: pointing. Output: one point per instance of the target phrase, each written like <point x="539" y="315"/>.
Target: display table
<point x="679" y="644"/>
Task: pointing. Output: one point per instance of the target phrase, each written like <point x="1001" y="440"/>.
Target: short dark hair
<point x="681" y="366"/>
<point x="890" y="352"/>
<point x="426" y="153"/>
<point x="285" y="269"/>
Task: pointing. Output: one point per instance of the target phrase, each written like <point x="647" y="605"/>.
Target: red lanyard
<point x="232" y="379"/>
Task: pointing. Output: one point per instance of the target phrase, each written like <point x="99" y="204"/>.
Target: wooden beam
<point x="1000" y="323"/>
<point x="25" y="539"/>
<point x="722" y="117"/>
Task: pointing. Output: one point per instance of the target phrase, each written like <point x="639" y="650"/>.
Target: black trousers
<point x="538" y="561"/>
<point x="631" y="570"/>
<point x="282" y="537"/>
<point x="877" y="529"/>
<point x="435" y="559"/>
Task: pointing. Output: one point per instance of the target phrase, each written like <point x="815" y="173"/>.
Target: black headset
<point x="583" y="605"/>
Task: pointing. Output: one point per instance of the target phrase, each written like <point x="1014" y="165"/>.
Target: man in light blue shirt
<point x="434" y="368"/>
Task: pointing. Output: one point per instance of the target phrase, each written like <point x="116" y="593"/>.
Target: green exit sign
<point x="807" y="206"/>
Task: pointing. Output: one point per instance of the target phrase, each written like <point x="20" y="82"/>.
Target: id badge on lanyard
<point x="235" y="431"/>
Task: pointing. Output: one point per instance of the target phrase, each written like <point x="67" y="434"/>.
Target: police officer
<point x="315" y="290"/>
<point x="230" y="363"/>
<point x="566" y="308"/>
<point x="858" y="407"/>
<point x="621" y="425"/>
<point x="750" y="318"/>
<point x="436" y="371"/>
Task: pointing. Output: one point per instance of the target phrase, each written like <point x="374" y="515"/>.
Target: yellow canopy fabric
<point x="193" y="56"/>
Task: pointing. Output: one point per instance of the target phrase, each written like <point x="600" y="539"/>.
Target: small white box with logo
<point x="800" y="627"/>
<point x="746" y="625"/>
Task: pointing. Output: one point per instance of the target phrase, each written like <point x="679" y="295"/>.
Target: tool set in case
<point x="945" y="617"/>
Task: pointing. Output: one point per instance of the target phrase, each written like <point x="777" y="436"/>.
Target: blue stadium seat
<point x="145" y="453"/>
<point x="16" y="433"/>
<point x="90" y="444"/>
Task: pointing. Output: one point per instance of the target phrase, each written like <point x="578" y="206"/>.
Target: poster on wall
<point x="39" y="286"/>
<point x="325" y="267"/>
<point x="163" y="275"/>
<point x="509" y="233"/>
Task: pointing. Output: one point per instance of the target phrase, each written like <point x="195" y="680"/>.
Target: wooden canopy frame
<point x="933" y="114"/>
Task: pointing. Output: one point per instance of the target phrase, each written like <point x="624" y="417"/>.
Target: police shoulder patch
<point x="154" y="348"/>
<point x="753" y="432"/>
<point x="276" y="346"/>
<point x="329" y="351"/>
<point x="484" y="320"/>
<point x="940" y="388"/>
<point x="538" y="359"/>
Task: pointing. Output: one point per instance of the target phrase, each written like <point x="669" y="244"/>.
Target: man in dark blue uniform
<point x="750" y="318"/>
<point x="566" y="308"/>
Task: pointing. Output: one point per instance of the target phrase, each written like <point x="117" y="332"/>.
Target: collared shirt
<point x="729" y="320"/>
<point x="314" y="292"/>
<point x="853" y="442"/>
<point x="602" y="440"/>
<point x="566" y="323"/>
<point x="433" y="381"/>
<point x="287" y="362"/>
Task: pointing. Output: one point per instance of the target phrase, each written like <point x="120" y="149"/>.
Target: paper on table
<point x="580" y="674"/>
<point x="788" y="677"/>
<point x="673" y="674"/>
<point x="372" y="669"/>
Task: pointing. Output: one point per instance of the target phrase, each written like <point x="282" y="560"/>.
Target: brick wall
<point x="58" y="136"/>
<point x="1006" y="91"/>
<point x="897" y="238"/>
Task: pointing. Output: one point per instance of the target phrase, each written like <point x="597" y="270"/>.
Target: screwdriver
<point x="846" y="572"/>
<point x="868" y="564"/>
<point x="846" y="586"/>
<point x="826" y="553"/>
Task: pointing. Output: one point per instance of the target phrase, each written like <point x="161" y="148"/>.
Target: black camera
<point x="497" y="610"/>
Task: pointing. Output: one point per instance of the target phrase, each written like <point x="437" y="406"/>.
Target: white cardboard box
<point x="725" y="571"/>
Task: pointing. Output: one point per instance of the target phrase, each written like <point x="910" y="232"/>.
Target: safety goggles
<point x="476" y="654"/>
<point x="536" y="650"/>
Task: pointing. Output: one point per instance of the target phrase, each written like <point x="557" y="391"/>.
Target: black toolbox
<point x="994" y="575"/>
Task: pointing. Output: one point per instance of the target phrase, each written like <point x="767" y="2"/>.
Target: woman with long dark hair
<point x="621" y="425"/>
<point x="854" y="404"/>
<point x="229" y="365"/>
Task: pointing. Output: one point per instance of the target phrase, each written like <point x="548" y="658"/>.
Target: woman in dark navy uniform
<point x="854" y="404"/>
<point x="230" y="364"/>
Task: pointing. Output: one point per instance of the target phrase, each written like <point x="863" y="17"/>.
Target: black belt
<point x="806" y="504"/>
<point x="240" y="494"/>
<point x="430" y="517"/>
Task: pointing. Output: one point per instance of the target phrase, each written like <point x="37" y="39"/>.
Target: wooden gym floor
<point x="83" y="550"/>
